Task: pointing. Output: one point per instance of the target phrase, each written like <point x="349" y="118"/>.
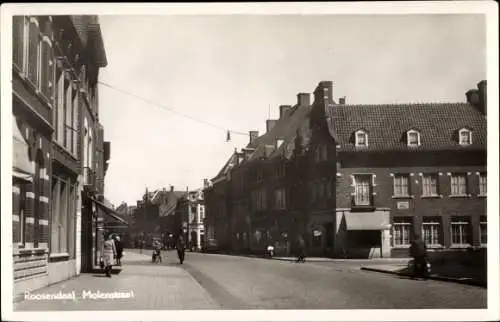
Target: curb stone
<point x="432" y="277"/>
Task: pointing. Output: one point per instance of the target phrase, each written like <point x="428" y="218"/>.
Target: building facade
<point x="191" y="210"/>
<point x="358" y="180"/>
<point x="55" y="68"/>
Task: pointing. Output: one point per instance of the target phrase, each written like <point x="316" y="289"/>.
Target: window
<point x="483" y="231"/>
<point x="59" y="110"/>
<point x="63" y="212"/>
<point x="401" y="187"/>
<point x="362" y="190"/>
<point x="259" y="199"/>
<point x="33" y="51"/>
<point x="68" y="87"/>
<point x="74" y="131"/>
<point x="71" y="221"/>
<point x="46" y="68"/>
<point x="460" y="231"/>
<point x="413" y="138"/>
<point x="465" y="137"/>
<point x="401" y="232"/>
<point x="18" y="23"/>
<point x="431" y="231"/>
<point x="482" y="184"/>
<point x="280" y="198"/>
<point x="19" y="207"/>
<point x="458" y="184"/>
<point x="361" y="139"/>
<point x="430" y="185"/>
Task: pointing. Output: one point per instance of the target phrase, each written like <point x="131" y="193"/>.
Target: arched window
<point x="465" y="137"/>
<point x="361" y="138"/>
<point x="413" y="138"/>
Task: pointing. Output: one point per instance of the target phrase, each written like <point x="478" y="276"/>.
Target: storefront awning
<point x="116" y="221"/>
<point x="377" y="220"/>
<point x="22" y="168"/>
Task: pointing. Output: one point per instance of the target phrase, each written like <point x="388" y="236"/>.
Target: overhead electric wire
<point x="172" y="110"/>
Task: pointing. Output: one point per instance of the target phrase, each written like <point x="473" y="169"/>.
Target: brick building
<point x="155" y="216"/>
<point x="55" y="68"/>
<point x="357" y="180"/>
<point x="396" y="170"/>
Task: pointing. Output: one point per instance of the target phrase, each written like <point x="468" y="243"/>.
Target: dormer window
<point x="361" y="138"/>
<point x="465" y="137"/>
<point x="413" y="138"/>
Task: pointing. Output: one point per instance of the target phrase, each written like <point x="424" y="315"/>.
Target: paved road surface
<point x="229" y="282"/>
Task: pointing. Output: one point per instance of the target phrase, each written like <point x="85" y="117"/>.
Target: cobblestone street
<point x="209" y="281"/>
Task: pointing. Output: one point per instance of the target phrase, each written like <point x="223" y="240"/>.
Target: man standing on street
<point x="418" y="251"/>
<point x="181" y="246"/>
<point x="302" y="250"/>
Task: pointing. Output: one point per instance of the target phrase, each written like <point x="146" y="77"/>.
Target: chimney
<point x="284" y="109"/>
<point x="342" y="100"/>
<point x="323" y="92"/>
<point x="482" y="96"/>
<point x="270" y="124"/>
<point x="253" y="135"/>
<point x="303" y="99"/>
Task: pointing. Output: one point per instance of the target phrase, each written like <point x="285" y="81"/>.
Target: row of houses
<point x="164" y="214"/>
<point x="356" y="180"/>
<point x="60" y="157"/>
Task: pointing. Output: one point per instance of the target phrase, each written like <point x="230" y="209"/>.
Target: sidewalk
<point x="141" y="285"/>
<point x="447" y="273"/>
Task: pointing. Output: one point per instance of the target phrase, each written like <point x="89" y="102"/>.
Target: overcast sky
<point x="228" y="70"/>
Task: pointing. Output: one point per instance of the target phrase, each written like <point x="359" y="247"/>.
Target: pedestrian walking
<point x="108" y="252"/>
<point x="418" y="251"/>
<point x="301" y="258"/>
<point x="119" y="250"/>
<point x="157" y="252"/>
<point x="181" y="248"/>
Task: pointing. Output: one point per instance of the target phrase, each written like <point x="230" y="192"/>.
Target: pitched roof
<point x="386" y="125"/>
<point x="284" y="129"/>
<point x="89" y="31"/>
<point x="231" y="161"/>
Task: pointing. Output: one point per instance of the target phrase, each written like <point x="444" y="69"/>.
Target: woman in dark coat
<point x="119" y="250"/>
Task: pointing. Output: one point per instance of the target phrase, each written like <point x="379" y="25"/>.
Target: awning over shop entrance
<point x="22" y="168"/>
<point x="113" y="219"/>
<point x="377" y="220"/>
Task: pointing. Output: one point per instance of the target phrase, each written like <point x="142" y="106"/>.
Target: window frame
<point x="404" y="223"/>
<point x="465" y="235"/>
<point x="395" y="192"/>
<point x="482" y="176"/>
<point x="430" y="176"/>
<point x="357" y="141"/>
<point x="457" y="176"/>
<point x="370" y="180"/>
<point x="469" y="136"/>
<point x="409" y="142"/>
<point x="483" y="222"/>
<point x="433" y="222"/>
